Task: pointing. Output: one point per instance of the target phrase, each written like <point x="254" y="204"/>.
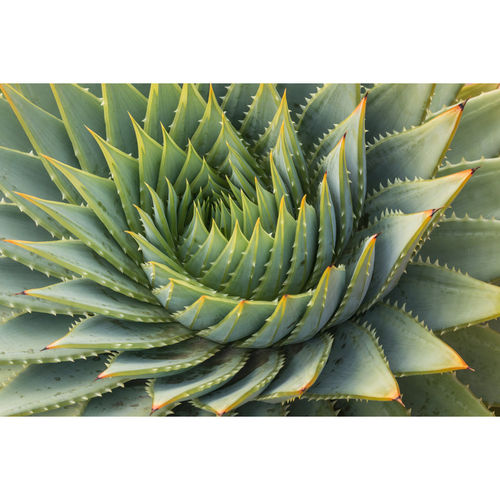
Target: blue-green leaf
<point x="173" y="358"/>
<point x="121" y="102"/>
<point x="440" y="395"/>
<point x="260" y="370"/>
<point x="198" y="380"/>
<point x="445" y="299"/>
<point x="355" y="368"/>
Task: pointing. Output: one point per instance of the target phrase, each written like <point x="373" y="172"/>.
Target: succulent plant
<point x="249" y="249"/>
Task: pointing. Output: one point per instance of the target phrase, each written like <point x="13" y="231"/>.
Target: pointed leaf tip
<point x="400" y="401"/>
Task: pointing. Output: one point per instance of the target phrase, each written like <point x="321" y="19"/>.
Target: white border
<point x="247" y="458"/>
<point x="261" y="40"/>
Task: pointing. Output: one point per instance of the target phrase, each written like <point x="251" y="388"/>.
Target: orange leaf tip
<point x="400" y="401"/>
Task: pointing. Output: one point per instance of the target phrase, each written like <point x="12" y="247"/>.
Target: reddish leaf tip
<point x="400" y="401"/>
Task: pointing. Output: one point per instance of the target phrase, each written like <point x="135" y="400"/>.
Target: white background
<point x="250" y="41"/>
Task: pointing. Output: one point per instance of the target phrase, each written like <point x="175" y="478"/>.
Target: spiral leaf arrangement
<point x="249" y="249"/>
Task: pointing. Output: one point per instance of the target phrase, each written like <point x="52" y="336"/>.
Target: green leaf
<point x="16" y="225"/>
<point x="280" y="323"/>
<point x="23" y="339"/>
<point x="153" y="235"/>
<point x="283" y="126"/>
<point x="80" y="111"/>
<point x="16" y="278"/>
<point x="198" y="380"/>
<point x="209" y="127"/>
<point x="479" y="131"/>
<point x="413" y="153"/>
<point x="125" y="172"/>
<point x="53" y="385"/>
<point x="204" y="312"/>
<point x="479" y="197"/>
<point x="180" y="291"/>
<point x="251" y="267"/>
<point x="160" y="274"/>
<point x="9" y="373"/>
<point x="440" y="395"/>
<point x="173" y="358"/>
<point x="48" y="136"/>
<point x="95" y="298"/>
<point x="305" y="408"/>
<point x="150" y="155"/>
<point x="327" y="232"/>
<point x="161" y="221"/>
<point x="162" y="102"/>
<point x="337" y="178"/>
<point x="284" y="161"/>
<point x="355" y="368"/>
<point x="297" y="95"/>
<point x="102" y="198"/>
<point x="260" y="370"/>
<point x="143" y="88"/>
<point x="189" y="111"/>
<point x="280" y="255"/>
<point x="99" y="332"/>
<point x="78" y="258"/>
<point x="279" y="187"/>
<point x="418" y="195"/>
<point x="323" y="304"/>
<point x="468" y="245"/>
<point x="129" y="401"/>
<point x="409" y="346"/>
<point x="374" y="409"/>
<point x="82" y="222"/>
<point x="360" y="272"/>
<point x="172" y="161"/>
<point x="445" y="299"/>
<point x="188" y="410"/>
<point x="229" y="137"/>
<point x="326" y="108"/>
<point x="261" y="109"/>
<point x="11" y="133"/>
<point x="24" y="173"/>
<point x="258" y="409"/>
<point x="353" y="127"/>
<point x="268" y="212"/>
<point x="393" y="107"/>
<point x="237" y="100"/>
<point x="194" y="235"/>
<point x="304" y="363"/>
<point x="480" y="346"/>
<point x="190" y="168"/>
<point x="474" y="89"/>
<point x="304" y="250"/>
<point x="444" y="95"/>
<point x="243" y="320"/>
<point x="40" y="94"/>
<point x="75" y="410"/>
<point x="7" y="313"/>
<point x="151" y="253"/>
<point x="399" y="236"/>
<point x="121" y="102"/>
<point x="95" y="88"/>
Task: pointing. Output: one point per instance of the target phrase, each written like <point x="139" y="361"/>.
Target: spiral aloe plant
<point x="249" y="249"/>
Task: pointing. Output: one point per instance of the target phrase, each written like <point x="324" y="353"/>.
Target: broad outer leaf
<point x="480" y="346"/>
<point x="440" y="395"/>
<point x="49" y="386"/>
<point x="356" y="368"/>
<point x="445" y="299"/>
